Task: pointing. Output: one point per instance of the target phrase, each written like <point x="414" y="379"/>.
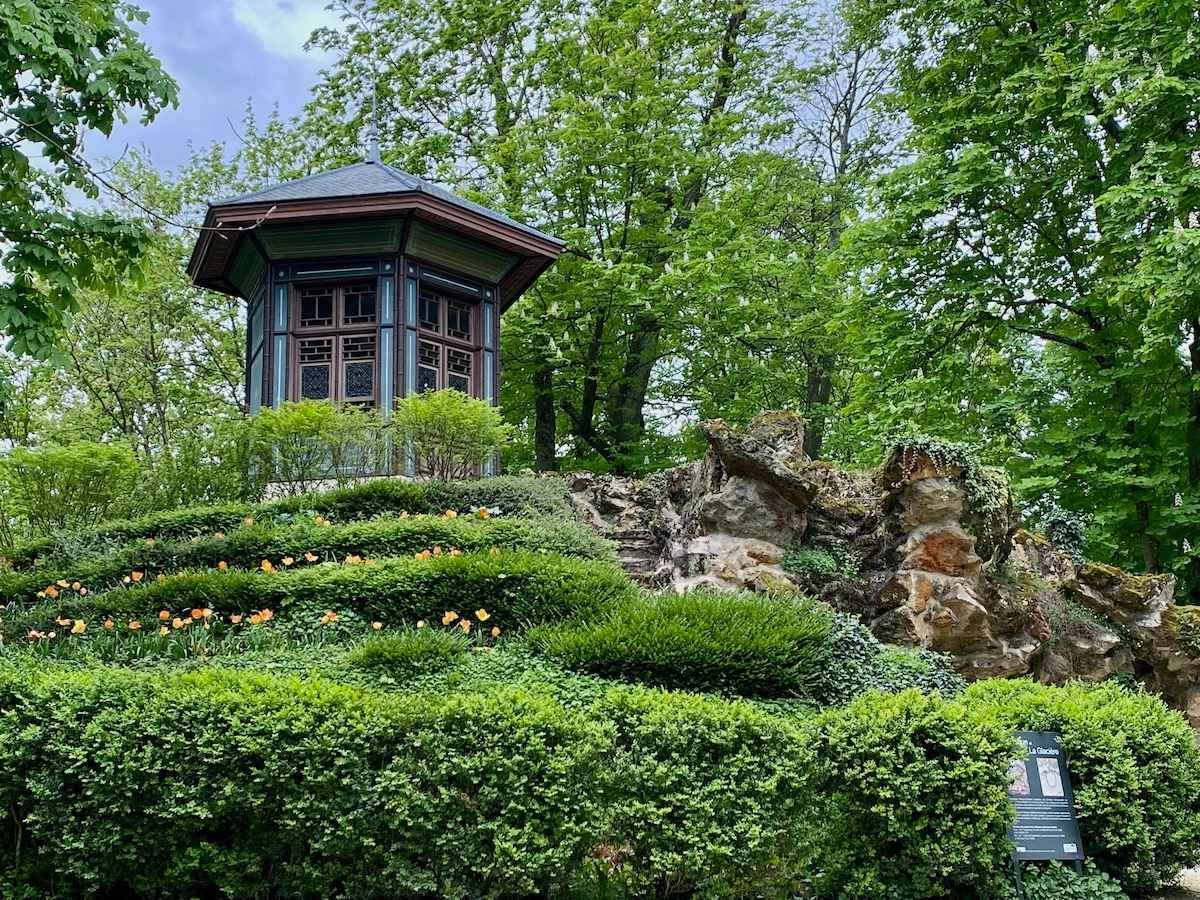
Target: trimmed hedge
<point x="752" y="645"/>
<point x="247" y="547"/>
<point x="518" y="588"/>
<point x="544" y="496"/>
<point x="1134" y="766"/>
<point x="914" y="799"/>
<point x="255" y="786"/>
<point x="249" y="786"/>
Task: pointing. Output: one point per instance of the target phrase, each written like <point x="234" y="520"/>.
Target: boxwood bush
<point x="512" y="495"/>
<point x="248" y="786"/>
<point x="518" y="588"/>
<point x="247" y="547"/>
<point x="748" y="644"/>
<point x="1134" y="766"/>
<point x="913" y="799"/>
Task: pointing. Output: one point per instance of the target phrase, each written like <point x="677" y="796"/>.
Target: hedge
<point x="914" y="802"/>
<point x="518" y="588"/>
<point x="545" y="496"/>
<point x="247" y="547"/>
<point x="747" y="644"/>
<point x="1134" y="767"/>
<point x="252" y="786"/>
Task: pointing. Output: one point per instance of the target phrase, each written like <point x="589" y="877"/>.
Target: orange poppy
<point x="109" y="624"/>
<point x="465" y="625"/>
<point x="449" y="617"/>
<point x="163" y="615"/>
<point x="377" y="625"/>
<point x="52" y="592"/>
<point x="135" y="625"/>
<point x="287" y="560"/>
<point x="310" y="557"/>
<point x="137" y="576"/>
<point x="266" y="614"/>
<point x="266" y="566"/>
<point x="222" y="565"/>
<point x="495" y="631"/>
<point x="197" y="613"/>
<point x="255" y="618"/>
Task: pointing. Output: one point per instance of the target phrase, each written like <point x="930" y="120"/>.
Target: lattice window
<point x="458" y="320"/>
<point x="358" y="305"/>
<point x="316" y="307"/>
<point x="316" y="365"/>
<point x="458" y="369"/>
<point x="358" y="367"/>
<point x="429" y="366"/>
<point x="431" y="311"/>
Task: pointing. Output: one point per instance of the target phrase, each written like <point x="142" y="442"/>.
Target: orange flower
<point x="266" y="566"/>
<point x="266" y="614"/>
<point x="75" y="586"/>
<point x="353" y="559"/>
<point x="163" y="630"/>
<point x="197" y="613"/>
<point x="424" y="554"/>
<point x="482" y="615"/>
<point x="255" y="619"/>
<point x="456" y="552"/>
<point x="222" y="565"/>
<point x="109" y="624"/>
<point x="310" y="557"/>
<point x="177" y="623"/>
<point x="465" y="625"/>
<point x="437" y="551"/>
<point x="206" y="612"/>
<point x="35" y="635"/>
<point x="449" y="617"/>
<point x="52" y="592"/>
<point x="135" y="625"/>
<point x="330" y="616"/>
<point x="377" y="625"/>
<point x="83" y="592"/>
<point x="163" y="615"/>
<point x="235" y="618"/>
<point x="484" y="512"/>
<point x="287" y="560"/>
<point x="450" y="514"/>
<point x="79" y="627"/>
<point x="420" y="623"/>
<point x="62" y="620"/>
<point x="137" y="576"/>
<point x="495" y="631"/>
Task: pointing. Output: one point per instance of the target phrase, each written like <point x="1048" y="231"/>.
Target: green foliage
<point x="755" y="646"/>
<point x="914" y="799"/>
<point x="819" y="563"/>
<point x="247" y="547"/>
<point x="305" y="444"/>
<point x="239" y="784"/>
<point x="449" y="434"/>
<point x="73" y="486"/>
<point x="384" y="497"/>
<point x="1134" y="766"/>
<point x="67" y="67"/>
<point x="1066" y="532"/>
<point x="1055" y="881"/>
<point x="713" y="798"/>
<point x="411" y="653"/>
<point x="519" y="589"/>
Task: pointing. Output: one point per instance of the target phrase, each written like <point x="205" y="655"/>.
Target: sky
<point x="222" y="53"/>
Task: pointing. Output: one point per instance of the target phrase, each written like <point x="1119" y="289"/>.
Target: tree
<point x="1050" y="206"/>
<point x="66" y="67"/>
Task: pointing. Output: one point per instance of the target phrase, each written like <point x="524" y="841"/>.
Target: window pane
<point x="426" y="379"/>
<point x="458" y="320"/>
<point x="430" y="364"/>
<point x="359" y="305"/>
<point x="316" y="307"/>
<point x="314" y="382"/>
<point x="431" y="319"/>
<point x="358" y="361"/>
<point x="459" y="382"/>
<point x="458" y="369"/>
<point x="316" y="358"/>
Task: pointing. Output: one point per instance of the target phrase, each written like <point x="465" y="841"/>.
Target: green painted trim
<point x="458" y="253"/>
<point x="333" y="239"/>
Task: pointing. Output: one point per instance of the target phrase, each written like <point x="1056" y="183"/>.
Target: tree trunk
<point x="627" y="401"/>
<point x="1193" y="451"/>
<point x="819" y="388"/>
<point x="544" y="419"/>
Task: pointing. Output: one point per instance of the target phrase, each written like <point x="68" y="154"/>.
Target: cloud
<point x="282" y="26"/>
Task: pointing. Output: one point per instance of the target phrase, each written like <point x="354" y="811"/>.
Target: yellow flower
<point x="455" y="552"/>
<point x="160" y="577"/>
<point x="482" y="615"/>
<point x="137" y="576"/>
<point x="62" y="583"/>
<point x="424" y="554"/>
<point x="465" y="625"/>
<point x="483" y="512"/>
<point x="450" y="514"/>
<point x="287" y="560"/>
<point x="248" y="521"/>
<point x="125" y="580"/>
<point x="420" y="623"/>
<point x="135" y="625"/>
<point x="219" y="535"/>
<point x="310" y="557"/>
<point x="76" y="586"/>
<point x="330" y="616"/>
<point x="266" y="566"/>
<point x="149" y="542"/>
<point x="163" y="630"/>
<point x="495" y="631"/>
<point x="377" y="625"/>
<point x="41" y="595"/>
<point x="449" y="617"/>
<point x="437" y="551"/>
<point x="206" y="612"/>
<point x="109" y="624"/>
<point x="255" y="619"/>
<point x="177" y="623"/>
<point x="163" y="615"/>
<point x="79" y="627"/>
<point x="235" y="618"/>
<point x="353" y="559"/>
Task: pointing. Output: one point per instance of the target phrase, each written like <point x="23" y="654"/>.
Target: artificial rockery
<point x="928" y="552"/>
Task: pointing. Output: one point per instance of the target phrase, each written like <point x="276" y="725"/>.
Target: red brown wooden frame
<point x="474" y="346"/>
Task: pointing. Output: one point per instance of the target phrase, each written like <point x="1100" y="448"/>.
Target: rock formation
<point x="928" y="552"/>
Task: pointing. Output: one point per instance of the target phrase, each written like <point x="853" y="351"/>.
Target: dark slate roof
<point x="368" y="178"/>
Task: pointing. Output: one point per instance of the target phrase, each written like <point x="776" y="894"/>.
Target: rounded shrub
<point x="409" y="654"/>
<point x="912" y="799"/>
<point x="747" y="644"/>
<point x="1134" y="766"/>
